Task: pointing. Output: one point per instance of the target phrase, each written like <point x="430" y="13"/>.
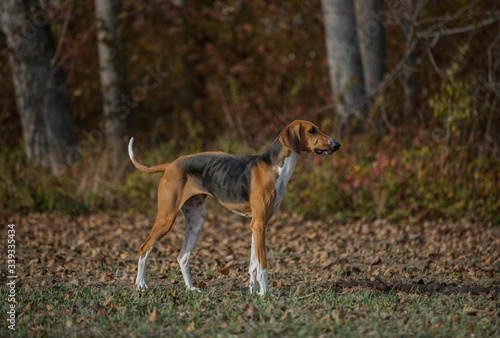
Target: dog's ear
<point x="290" y="137"/>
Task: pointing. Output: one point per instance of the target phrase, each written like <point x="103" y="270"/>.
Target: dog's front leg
<point x="258" y="262"/>
<point x="254" y="263"/>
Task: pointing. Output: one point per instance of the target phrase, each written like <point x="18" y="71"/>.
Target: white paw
<point x="253" y="287"/>
<point x="265" y="292"/>
<point x="192" y="288"/>
<point x="141" y="286"/>
<point x="262" y="291"/>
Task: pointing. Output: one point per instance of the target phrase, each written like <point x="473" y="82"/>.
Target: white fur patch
<point x="258" y="276"/>
<point x="284" y="175"/>
<point x="262" y="279"/>
<point x="130" y="148"/>
<point x="254" y="263"/>
<point x="140" y="280"/>
<point x="240" y="213"/>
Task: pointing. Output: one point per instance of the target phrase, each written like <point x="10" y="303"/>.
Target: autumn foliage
<point x="222" y="75"/>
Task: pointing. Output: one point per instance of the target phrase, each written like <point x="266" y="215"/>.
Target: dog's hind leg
<point x="168" y="208"/>
<point x="140" y="280"/>
<point x="194" y="214"/>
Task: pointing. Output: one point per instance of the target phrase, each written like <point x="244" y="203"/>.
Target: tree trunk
<point x="344" y="60"/>
<point x="409" y="72"/>
<point x="371" y="35"/>
<point x="112" y="73"/>
<point x="40" y="85"/>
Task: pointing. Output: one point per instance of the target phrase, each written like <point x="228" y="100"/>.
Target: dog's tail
<point x="142" y="167"/>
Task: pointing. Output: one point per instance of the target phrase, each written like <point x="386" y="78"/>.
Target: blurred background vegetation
<point x="229" y="75"/>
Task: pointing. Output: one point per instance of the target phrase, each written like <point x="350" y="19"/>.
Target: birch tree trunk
<point x="344" y="60"/>
<point x="112" y="73"/>
<point x="40" y="85"/>
<point x="409" y="72"/>
<point x="371" y="35"/>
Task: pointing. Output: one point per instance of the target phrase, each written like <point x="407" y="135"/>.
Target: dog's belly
<point x="239" y="209"/>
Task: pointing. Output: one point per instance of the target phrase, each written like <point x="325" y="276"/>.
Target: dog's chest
<point x="284" y="175"/>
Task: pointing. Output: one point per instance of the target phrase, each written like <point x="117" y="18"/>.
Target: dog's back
<point x="225" y="176"/>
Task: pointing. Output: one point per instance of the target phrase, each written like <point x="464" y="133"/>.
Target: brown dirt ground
<point x="304" y="255"/>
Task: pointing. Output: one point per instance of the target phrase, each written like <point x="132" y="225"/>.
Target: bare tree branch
<point x="458" y="30"/>
<point x="63" y="34"/>
<point x="433" y="61"/>
<point x="448" y="17"/>
<point x="491" y="71"/>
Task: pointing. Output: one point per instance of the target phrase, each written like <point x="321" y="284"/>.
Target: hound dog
<point x="251" y="186"/>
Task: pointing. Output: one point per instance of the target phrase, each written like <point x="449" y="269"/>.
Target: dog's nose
<point x="335" y="145"/>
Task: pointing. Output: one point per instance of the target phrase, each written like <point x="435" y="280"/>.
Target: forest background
<point x="229" y="75"/>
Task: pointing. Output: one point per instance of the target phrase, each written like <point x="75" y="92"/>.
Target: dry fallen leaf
<point x="108" y="300"/>
<point x="252" y="311"/>
<point x="376" y="260"/>
<point x="191" y="327"/>
<point x="154" y="316"/>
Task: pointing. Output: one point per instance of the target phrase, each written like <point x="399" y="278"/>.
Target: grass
<point x="70" y="309"/>
<point x="76" y="275"/>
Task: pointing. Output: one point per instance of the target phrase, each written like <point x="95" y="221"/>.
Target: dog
<point x="251" y="186"/>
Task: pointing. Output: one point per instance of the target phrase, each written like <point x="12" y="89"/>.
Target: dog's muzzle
<point x="333" y="147"/>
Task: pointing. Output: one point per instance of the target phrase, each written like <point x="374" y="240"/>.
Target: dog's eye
<point x="313" y="131"/>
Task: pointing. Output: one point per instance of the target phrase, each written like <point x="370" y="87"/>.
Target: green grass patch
<point x="70" y="309"/>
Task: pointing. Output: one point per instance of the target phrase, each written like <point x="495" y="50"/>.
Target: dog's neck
<point x="276" y="155"/>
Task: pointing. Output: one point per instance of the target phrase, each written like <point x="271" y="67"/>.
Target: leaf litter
<point x="304" y="256"/>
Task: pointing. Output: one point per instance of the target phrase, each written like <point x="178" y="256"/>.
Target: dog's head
<point x="305" y="136"/>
